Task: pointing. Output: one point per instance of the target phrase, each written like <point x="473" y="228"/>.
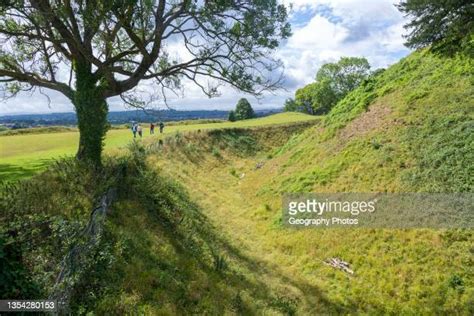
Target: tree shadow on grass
<point x="195" y="242"/>
<point x="15" y="172"/>
<point x="166" y="255"/>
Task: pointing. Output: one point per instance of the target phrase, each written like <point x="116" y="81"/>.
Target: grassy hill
<point x="196" y="226"/>
<point x="411" y="129"/>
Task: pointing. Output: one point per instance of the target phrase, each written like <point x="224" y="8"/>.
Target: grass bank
<point x="156" y="253"/>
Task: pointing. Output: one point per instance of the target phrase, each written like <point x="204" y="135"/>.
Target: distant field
<point x="24" y="155"/>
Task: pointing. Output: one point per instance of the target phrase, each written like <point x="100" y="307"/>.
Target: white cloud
<point x="370" y="28"/>
<point x="319" y="33"/>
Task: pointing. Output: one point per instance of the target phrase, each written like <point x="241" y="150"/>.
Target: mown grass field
<point x="24" y="155"/>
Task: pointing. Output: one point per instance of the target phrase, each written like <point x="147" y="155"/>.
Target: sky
<point x="323" y="31"/>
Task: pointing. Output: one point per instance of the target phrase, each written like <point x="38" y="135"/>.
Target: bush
<point x="16" y="281"/>
<point x="42" y="217"/>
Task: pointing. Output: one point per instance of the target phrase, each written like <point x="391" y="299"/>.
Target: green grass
<point x="37" y="130"/>
<point x="213" y="244"/>
<point x="409" y="130"/>
<point x="158" y="253"/>
<point x="385" y="137"/>
<point x="24" y="155"/>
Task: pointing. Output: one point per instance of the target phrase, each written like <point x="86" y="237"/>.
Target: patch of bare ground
<point x="376" y="118"/>
<point x="371" y="120"/>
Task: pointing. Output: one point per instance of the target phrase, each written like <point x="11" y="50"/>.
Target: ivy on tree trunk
<point x="91" y="109"/>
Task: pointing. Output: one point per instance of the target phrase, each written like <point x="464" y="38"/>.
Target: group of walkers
<point x="137" y="129"/>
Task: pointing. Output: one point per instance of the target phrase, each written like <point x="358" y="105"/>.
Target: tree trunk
<point x="91" y="109"/>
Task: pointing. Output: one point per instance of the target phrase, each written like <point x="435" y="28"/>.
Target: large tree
<point x="91" y="50"/>
<point x="445" y="25"/>
<point x="333" y="82"/>
<point x="345" y="75"/>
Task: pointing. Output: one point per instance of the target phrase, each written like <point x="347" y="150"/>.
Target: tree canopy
<point x="445" y="25"/>
<point x="244" y="110"/>
<point x="290" y="105"/>
<point x="92" y="50"/>
<point x="333" y="82"/>
<point x="305" y="99"/>
<point x="344" y="76"/>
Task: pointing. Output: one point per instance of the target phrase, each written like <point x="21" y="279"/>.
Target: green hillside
<point x="195" y="228"/>
<point x="409" y="129"/>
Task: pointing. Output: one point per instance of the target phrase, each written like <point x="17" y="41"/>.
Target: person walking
<point x="139" y="130"/>
<point x="134" y="130"/>
<point x="152" y="128"/>
<point x="162" y="126"/>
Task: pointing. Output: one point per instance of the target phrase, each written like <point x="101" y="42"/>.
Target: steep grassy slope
<point x="156" y="253"/>
<point x="409" y="130"/>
